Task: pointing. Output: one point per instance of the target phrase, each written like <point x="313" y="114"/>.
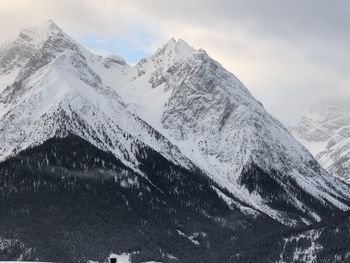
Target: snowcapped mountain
<point x="57" y="91"/>
<point x="325" y="131"/>
<point x="171" y="158"/>
<point x="179" y="102"/>
<point x="217" y="124"/>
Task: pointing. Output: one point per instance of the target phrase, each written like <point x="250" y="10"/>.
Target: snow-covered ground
<point x="121" y="258"/>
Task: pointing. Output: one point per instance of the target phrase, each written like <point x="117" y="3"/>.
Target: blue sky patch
<point x="132" y="49"/>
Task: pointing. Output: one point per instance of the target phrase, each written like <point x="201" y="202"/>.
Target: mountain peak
<point x="39" y="34"/>
<point x="172" y="51"/>
<point x="50" y="22"/>
<point x="171" y="41"/>
<point x="51" y="27"/>
<point x="175" y="48"/>
<point x="15" y="53"/>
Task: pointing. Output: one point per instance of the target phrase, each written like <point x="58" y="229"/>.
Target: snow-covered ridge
<point x="179" y="102"/>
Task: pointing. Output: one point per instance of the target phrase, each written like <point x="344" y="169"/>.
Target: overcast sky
<point x="289" y="53"/>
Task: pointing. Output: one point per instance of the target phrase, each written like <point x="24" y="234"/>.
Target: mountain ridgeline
<point x="170" y="160"/>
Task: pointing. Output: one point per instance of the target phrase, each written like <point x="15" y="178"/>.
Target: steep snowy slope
<point x="14" y="54"/>
<point x="56" y="92"/>
<point x="325" y="131"/>
<point x="216" y="122"/>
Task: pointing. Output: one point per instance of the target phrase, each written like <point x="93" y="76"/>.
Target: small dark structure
<point x="112" y="259"/>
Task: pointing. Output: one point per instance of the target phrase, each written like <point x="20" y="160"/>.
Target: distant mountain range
<point x="325" y="131"/>
<point x="172" y="160"/>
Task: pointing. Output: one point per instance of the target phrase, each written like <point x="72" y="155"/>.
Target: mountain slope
<point x="57" y="92"/>
<point x="216" y="123"/>
<point x="326" y="241"/>
<point x="88" y="203"/>
<point x="325" y="131"/>
<point x="180" y="103"/>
